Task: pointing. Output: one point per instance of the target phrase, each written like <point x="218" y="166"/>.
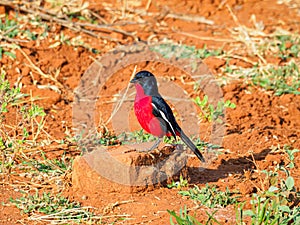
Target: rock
<point x="121" y="169"/>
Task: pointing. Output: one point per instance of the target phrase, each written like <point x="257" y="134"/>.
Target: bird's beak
<point x="133" y="80"/>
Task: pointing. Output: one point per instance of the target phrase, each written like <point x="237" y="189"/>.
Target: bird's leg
<point x="151" y="148"/>
<point x="155" y="144"/>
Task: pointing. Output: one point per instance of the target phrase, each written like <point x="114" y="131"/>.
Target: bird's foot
<point x="179" y="147"/>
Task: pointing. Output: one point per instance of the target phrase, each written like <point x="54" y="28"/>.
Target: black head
<point x="147" y="81"/>
<point x="141" y="76"/>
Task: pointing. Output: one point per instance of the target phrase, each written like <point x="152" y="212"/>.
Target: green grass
<point x="291" y="155"/>
<point x="15" y="106"/>
<point x="185" y="51"/>
<point x="210" y="112"/>
<point x="30" y="117"/>
<point x="136" y="136"/>
<point x="275" y="203"/>
<point x="59" y="208"/>
<point x="45" y="203"/>
<point x="280" y="80"/>
<point x="274" y="206"/>
<point x="183" y="218"/>
<point x="8" y="95"/>
<point x="178" y="184"/>
<point x="289" y="47"/>
<point x="210" y="196"/>
<point x="11" y="30"/>
<point x="285" y="47"/>
<point x="45" y="166"/>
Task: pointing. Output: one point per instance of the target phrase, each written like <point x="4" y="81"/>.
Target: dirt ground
<point x="259" y="121"/>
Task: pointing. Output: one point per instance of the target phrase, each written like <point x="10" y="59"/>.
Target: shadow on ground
<point x="230" y="166"/>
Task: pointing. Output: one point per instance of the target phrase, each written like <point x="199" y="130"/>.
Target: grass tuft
<point x="210" y="196"/>
<point x="185" y="51"/>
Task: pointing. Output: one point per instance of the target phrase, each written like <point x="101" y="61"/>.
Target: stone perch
<point x="124" y="170"/>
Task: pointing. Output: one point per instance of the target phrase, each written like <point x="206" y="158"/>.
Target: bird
<point x="154" y="114"/>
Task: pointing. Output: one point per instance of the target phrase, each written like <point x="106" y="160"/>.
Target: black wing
<point x="163" y="111"/>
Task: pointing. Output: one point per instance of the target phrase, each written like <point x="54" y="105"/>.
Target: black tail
<point x="191" y="145"/>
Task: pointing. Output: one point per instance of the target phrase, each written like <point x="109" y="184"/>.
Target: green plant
<point x="184" y="51"/>
<point x="77" y="41"/>
<point x="57" y="209"/>
<point x="183" y="218"/>
<point x="280" y="45"/>
<point x="21" y="122"/>
<point x="288" y="46"/>
<point x="209" y="111"/>
<point x="210" y="196"/>
<point x="53" y="167"/>
<point x="178" y="184"/>
<point x="276" y="205"/>
<point x="141" y="136"/>
<point x="45" y="203"/>
<point x="208" y="147"/>
<point x="62" y="209"/>
<point x="136" y="136"/>
<point x="290" y="152"/>
<point x="267" y="210"/>
<point x="108" y="139"/>
<point x="8" y="95"/>
<point x="282" y="80"/>
<point x="10" y="29"/>
<point x="279" y="79"/>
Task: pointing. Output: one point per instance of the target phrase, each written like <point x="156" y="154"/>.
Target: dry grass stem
<point x="111" y="206"/>
<point x="206" y="38"/>
<point x="195" y="19"/>
<point x="245" y="59"/>
<point x="244" y="36"/>
<point x="39" y="71"/>
<point x="71" y="215"/>
<point x="119" y="104"/>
